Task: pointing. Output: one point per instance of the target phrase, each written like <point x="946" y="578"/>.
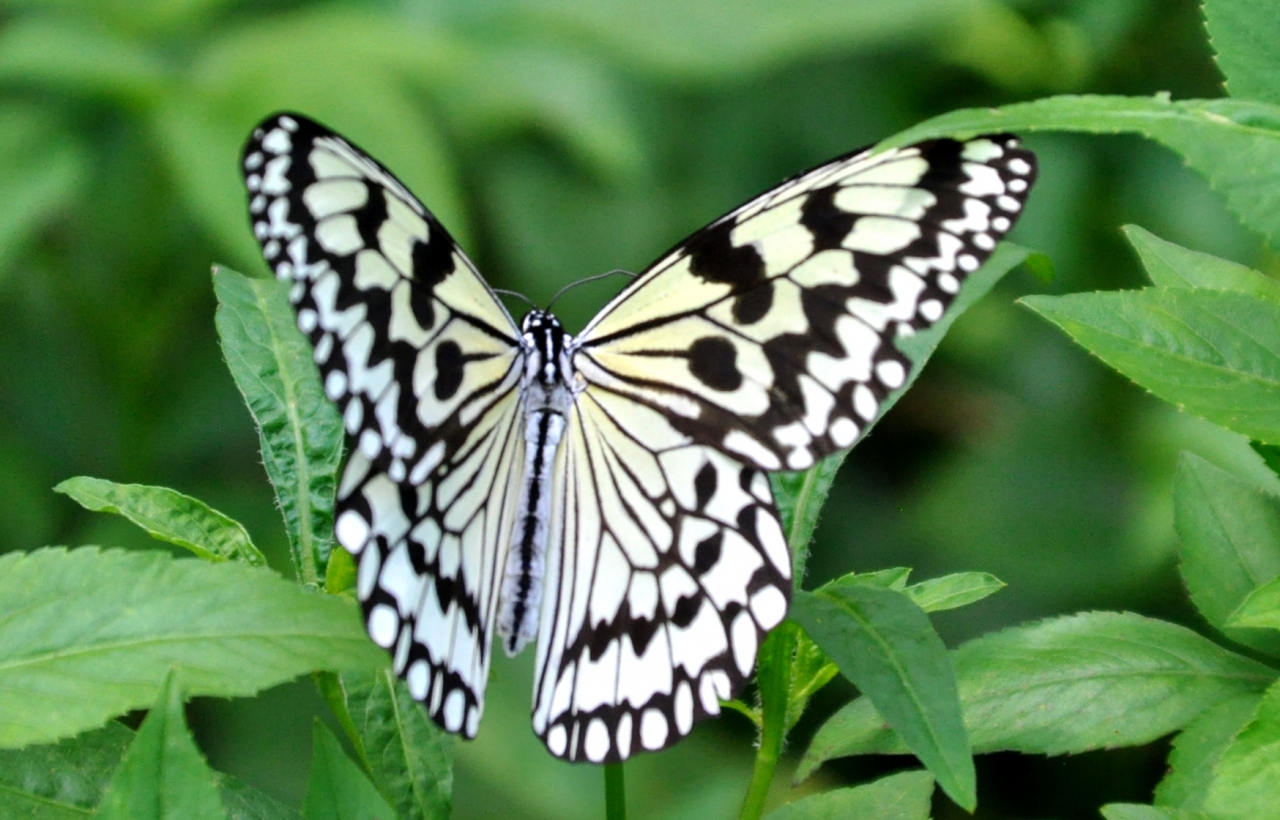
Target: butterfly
<point x="606" y="493"/>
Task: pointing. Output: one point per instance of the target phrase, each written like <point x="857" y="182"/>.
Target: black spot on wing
<point x="713" y="361"/>
<point x="685" y="611"/>
<point x="714" y="258"/>
<point x="828" y="224"/>
<point x="433" y="259"/>
<point x="707" y="553"/>
<point x="372" y="215"/>
<point x="704" y="484"/>
<point x="753" y="304"/>
<point x="449" y="367"/>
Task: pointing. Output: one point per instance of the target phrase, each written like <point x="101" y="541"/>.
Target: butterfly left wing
<point x="771" y="334"/>
<point x="424" y="364"/>
<point x="673" y="567"/>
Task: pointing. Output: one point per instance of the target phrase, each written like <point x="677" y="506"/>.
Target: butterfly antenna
<point x="597" y="277"/>
<point x="520" y="296"/>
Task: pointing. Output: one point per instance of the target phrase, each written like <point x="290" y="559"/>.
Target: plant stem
<point x="615" y="792"/>
<point x="773" y="676"/>
<point x="762" y="773"/>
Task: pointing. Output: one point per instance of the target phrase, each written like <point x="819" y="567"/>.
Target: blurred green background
<point x="563" y="138"/>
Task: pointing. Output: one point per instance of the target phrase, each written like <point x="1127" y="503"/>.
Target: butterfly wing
<point x="770" y="334"/>
<point x="424" y="364"/>
<point x="673" y="567"/>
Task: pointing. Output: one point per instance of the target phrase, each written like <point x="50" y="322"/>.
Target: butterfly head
<point x="545" y="345"/>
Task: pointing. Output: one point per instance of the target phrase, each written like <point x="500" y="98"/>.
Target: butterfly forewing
<point x="424" y="363"/>
<point x="771" y="333"/>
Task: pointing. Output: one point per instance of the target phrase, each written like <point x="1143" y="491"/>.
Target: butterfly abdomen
<point x="546" y="397"/>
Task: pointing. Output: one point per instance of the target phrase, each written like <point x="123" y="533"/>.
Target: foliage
<point x="87" y="634"/>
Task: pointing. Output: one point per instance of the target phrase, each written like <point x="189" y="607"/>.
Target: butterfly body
<point x="546" y="396"/>
<point x="606" y="495"/>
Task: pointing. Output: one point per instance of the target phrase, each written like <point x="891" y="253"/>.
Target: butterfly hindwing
<point x="771" y="333"/>
<point x="673" y="567"/>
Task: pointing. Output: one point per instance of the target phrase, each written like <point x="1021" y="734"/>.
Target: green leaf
<point x="1228" y="543"/>
<point x="411" y="759"/>
<point x="1091" y="681"/>
<point x="889" y="578"/>
<point x="811" y="670"/>
<point x="169" y="516"/>
<point x="1247" y="780"/>
<point x="163" y="774"/>
<point x="337" y="789"/>
<point x="902" y="796"/>
<point x="89" y="634"/>
<point x="1138" y="811"/>
<point x="800" y="496"/>
<point x="299" y="428"/>
<point x="1197" y="749"/>
<point x="63" y="780"/>
<point x="1260" y="609"/>
<point x="66" y="780"/>
<point x="1244" y="35"/>
<point x="1228" y="141"/>
<point x="1212" y="353"/>
<point x="887" y="647"/>
<point x="953" y="591"/>
<point x="1172" y="266"/>
<point x="243" y="802"/>
<point x="1270" y="454"/>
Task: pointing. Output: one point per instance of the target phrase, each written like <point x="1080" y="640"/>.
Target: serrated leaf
<point x="1228" y="543"/>
<point x="1244" y="36"/>
<point x="337" y="789"/>
<point x="89" y="634"/>
<point x="1225" y="140"/>
<point x="163" y="775"/>
<point x="1065" y="685"/>
<point x="1212" y="353"/>
<point x="887" y="647"/>
<point x="1172" y="266"/>
<point x="299" y="428"/>
<point x="1197" y="749"/>
<point x="411" y="759"/>
<point x="953" y="591"/>
<point x="1247" y="776"/>
<point x="902" y="796"/>
<point x="169" y="516"/>
<point x="800" y="496"/>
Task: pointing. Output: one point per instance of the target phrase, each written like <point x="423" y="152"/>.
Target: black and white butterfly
<point x="606" y="494"/>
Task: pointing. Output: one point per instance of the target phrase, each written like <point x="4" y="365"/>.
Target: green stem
<point x="615" y="793"/>
<point x="773" y="677"/>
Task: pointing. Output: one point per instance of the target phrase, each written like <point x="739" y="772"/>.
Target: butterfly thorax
<point x="546" y="393"/>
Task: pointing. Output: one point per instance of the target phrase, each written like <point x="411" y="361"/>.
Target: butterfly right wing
<point x="424" y="364"/>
